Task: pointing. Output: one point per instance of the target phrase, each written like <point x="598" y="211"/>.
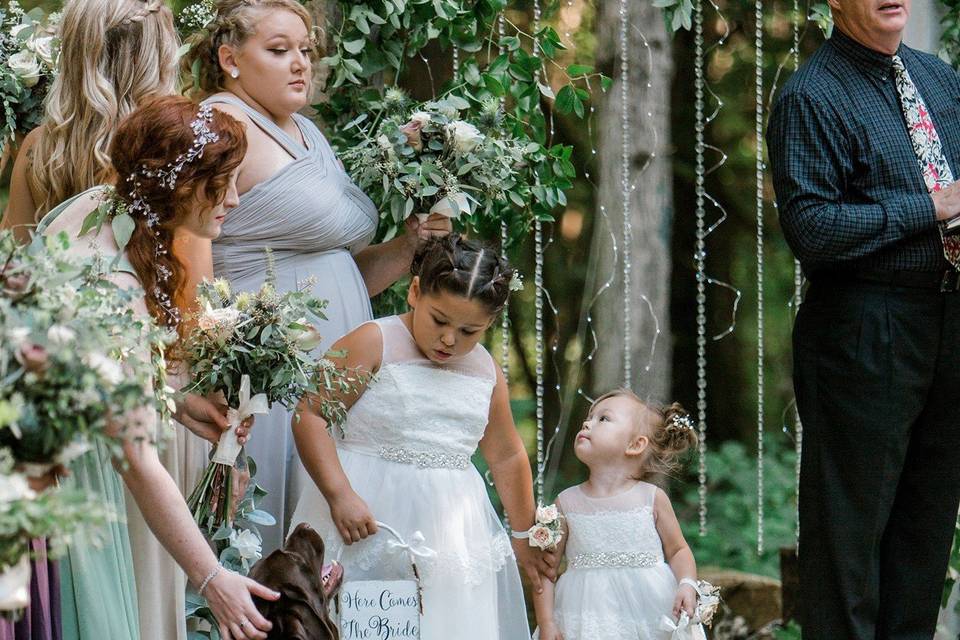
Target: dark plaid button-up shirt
<point x="848" y="184"/>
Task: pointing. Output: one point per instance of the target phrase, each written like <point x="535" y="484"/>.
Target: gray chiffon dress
<point x="313" y="218"/>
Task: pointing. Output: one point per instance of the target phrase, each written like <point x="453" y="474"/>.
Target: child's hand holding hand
<point x="685" y="600"/>
<point x="352" y="517"/>
<point x="536" y="563"/>
<point x="549" y="631"/>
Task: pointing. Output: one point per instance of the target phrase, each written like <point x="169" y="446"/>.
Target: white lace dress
<point x="617" y="585"/>
<point x="407" y="450"/>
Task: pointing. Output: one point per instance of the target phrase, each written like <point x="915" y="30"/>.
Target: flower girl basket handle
<point x="414" y="548"/>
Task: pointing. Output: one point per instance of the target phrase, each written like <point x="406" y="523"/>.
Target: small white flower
<point x="60" y="335"/>
<point x="325" y="364"/>
<point x="247" y="543"/>
<point x="547" y="514"/>
<point x="25" y="66"/>
<point x="384" y="142"/>
<point x="18" y="334"/>
<point x="421" y="117"/>
<point x="108" y="369"/>
<point x="464" y="136"/>
<point x="516" y="282"/>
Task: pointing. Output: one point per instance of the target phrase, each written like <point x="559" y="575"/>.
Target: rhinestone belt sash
<point x="614" y="560"/>
<point x="425" y="459"/>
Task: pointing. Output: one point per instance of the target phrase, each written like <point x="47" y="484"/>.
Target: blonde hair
<point x="114" y="54"/>
<point x="236" y="21"/>
<point x="670" y="433"/>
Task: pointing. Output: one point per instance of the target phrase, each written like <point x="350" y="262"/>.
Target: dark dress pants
<point x="877" y="376"/>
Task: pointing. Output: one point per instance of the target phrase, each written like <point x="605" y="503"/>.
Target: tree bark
<point x="650" y="203"/>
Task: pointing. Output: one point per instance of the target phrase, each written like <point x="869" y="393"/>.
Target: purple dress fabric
<point x="41" y="620"/>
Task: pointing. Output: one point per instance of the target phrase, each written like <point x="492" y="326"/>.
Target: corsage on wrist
<point x="545" y="532"/>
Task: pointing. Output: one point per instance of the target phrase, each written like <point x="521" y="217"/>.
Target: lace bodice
<point x="618" y="531"/>
<point x="418" y="411"/>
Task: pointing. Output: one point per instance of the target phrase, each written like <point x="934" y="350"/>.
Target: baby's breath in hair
<point x="197" y="17"/>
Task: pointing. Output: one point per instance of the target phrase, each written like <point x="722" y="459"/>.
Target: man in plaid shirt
<point x="864" y="142"/>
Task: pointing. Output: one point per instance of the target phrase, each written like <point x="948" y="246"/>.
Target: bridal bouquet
<point x="429" y="159"/>
<point x="28" y="57"/>
<point x="255" y="350"/>
<point x="59" y="515"/>
<point x="75" y="362"/>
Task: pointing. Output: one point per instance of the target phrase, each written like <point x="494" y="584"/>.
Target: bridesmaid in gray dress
<point x="297" y="200"/>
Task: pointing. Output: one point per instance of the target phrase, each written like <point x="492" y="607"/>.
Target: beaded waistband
<point x="619" y="560"/>
<point x="421" y="459"/>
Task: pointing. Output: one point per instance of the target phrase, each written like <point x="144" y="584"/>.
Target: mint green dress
<point x="97" y="586"/>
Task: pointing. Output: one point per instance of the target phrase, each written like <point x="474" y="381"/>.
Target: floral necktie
<point x="926" y="144"/>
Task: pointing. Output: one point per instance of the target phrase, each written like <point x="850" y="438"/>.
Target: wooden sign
<point x="379" y="610"/>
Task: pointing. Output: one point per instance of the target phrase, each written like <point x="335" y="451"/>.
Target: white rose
<point x="247" y="543"/>
<point x="421" y="117"/>
<point x="464" y="136"/>
<point x="547" y="514"/>
<point x="541" y="537"/>
<point x="60" y="335"/>
<point x="43" y="47"/>
<point x="108" y="369"/>
<point x="25" y="65"/>
<point x="15" y="487"/>
<point x="222" y="321"/>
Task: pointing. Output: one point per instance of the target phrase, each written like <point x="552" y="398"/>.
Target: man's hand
<point x="947" y="202"/>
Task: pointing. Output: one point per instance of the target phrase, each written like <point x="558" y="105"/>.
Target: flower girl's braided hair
<point x="670" y="430"/>
<point x="233" y="22"/>
<point x="464" y="268"/>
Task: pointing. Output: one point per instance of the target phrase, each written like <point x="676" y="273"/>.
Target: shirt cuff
<point x="911" y="214"/>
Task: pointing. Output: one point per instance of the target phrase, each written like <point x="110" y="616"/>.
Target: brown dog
<point x="305" y="585"/>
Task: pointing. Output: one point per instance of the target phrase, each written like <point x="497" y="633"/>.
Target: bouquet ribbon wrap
<point x="229" y="446"/>
<point x="15" y="586"/>
<point x="683" y="629"/>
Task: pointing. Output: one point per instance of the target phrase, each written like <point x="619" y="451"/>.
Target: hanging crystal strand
<point x="456" y="61"/>
<point x="758" y="44"/>
<point x="538" y="300"/>
<point x="504" y="237"/>
<point x="700" y="260"/>
<point x="625" y="194"/>
<point x="797" y="297"/>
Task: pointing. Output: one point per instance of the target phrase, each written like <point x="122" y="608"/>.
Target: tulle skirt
<point x="614" y="603"/>
<point x="471" y="587"/>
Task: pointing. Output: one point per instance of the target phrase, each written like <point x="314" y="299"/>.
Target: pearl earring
<point x="235" y="73"/>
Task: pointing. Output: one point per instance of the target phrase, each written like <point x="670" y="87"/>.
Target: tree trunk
<point x="651" y="202"/>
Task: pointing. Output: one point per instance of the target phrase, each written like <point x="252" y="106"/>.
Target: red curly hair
<point x="149" y="138"/>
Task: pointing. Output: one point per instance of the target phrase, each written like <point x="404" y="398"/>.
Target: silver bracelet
<point x="210" y="576"/>
<point x="692" y="583"/>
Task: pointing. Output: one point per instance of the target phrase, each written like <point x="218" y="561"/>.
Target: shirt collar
<point x="872" y="61"/>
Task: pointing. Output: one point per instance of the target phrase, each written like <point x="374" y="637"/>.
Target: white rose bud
<point x="464" y="136"/>
<point x="25" y="66"/>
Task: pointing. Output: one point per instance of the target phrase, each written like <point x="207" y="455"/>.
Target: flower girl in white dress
<point x="630" y="573"/>
<point x="405" y="454"/>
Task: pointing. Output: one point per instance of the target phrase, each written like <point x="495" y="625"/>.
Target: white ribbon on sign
<point x="683" y="629"/>
<point x="15" y="586"/>
<point x="229" y="446"/>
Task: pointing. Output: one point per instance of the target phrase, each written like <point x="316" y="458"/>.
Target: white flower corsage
<point x="516" y="282"/>
<point x="546" y="532"/>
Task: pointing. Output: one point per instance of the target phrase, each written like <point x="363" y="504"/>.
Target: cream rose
<point x="222" y="321"/>
<point x="246" y="543"/>
<point x="464" y="136"/>
<point x="43" y="47"/>
<point x="25" y="66"/>
<point x="541" y="537"/>
<point x="108" y="369"/>
<point x="547" y="514"/>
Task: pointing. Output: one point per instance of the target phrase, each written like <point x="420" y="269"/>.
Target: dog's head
<point x="305" y="585"/>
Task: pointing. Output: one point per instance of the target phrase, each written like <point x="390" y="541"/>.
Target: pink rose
<point x="15" y="285"/>
<point x="33" y="357"/>
<point x="541" y="536"/>
<point x="412" y="131"/>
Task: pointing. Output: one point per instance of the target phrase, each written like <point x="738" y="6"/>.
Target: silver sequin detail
<point x="426" y="459"/>
<point x="606" y="560"/>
